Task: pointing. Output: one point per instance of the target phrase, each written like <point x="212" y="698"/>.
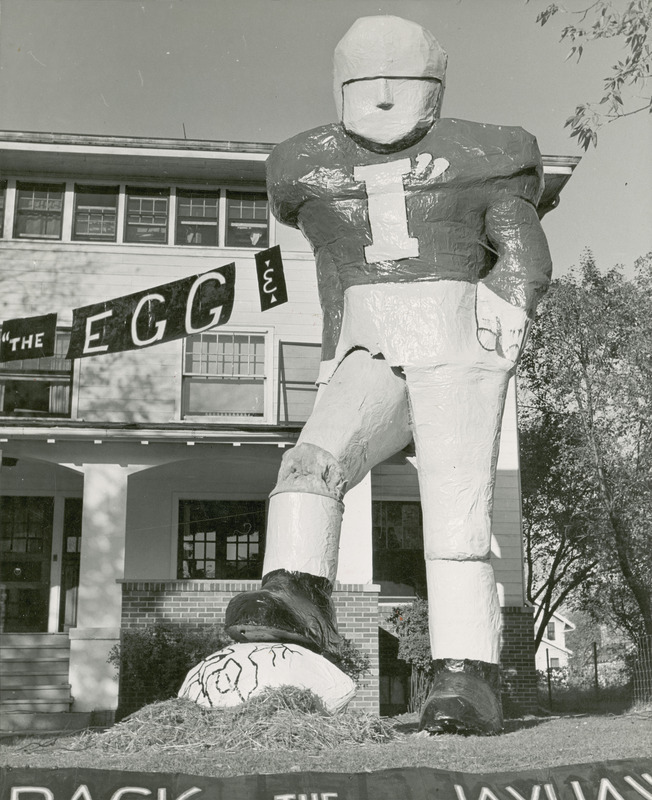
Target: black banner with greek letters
<point x="616" y="780"/>
<point x="271" y="278"/>
<point x="153" y="316"/>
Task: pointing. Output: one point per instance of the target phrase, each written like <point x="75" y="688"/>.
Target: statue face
<point x="390" y="111"/>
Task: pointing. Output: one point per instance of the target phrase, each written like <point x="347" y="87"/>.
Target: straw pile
<point x="286" y="718"/>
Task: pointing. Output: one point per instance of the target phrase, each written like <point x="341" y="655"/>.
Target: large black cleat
<point x="464" y="698"/>
<point x="289" y="607"/>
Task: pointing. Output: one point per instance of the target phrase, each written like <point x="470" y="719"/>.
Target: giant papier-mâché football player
<point x="430" y="261"/>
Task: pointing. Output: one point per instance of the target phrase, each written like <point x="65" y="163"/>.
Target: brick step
<point x="35" y="666"/>
<point x="18" y="722"/>
<point x="39" y="693"/>
<point x="35" y="706"/>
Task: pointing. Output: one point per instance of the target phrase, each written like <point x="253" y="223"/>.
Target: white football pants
<point x="448" y="397"/>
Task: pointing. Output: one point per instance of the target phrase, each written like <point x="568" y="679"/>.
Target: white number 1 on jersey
<point x="391" y="240"/>
<point x="387" y="211"/>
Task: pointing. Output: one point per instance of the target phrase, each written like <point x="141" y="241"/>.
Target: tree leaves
<point x="630" y="22"/>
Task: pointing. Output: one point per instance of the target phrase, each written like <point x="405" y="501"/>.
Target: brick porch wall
<point x="200" y="603"/>
<point x="519" y="673"/>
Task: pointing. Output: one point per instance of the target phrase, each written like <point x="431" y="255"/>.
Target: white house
<point x="133" y="485"/>
<point x="552" y="652"/>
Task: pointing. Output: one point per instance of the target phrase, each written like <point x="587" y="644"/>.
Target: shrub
<point x="154" y="660"/>
<point x="558" y="677"/>
<point x="411" y="625"/>
<point x="353" y="662"/>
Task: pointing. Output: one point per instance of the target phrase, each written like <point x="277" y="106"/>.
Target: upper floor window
<point x="197" y="217"/>
<point x="96" y="212"/>
<point x="147" y="215"/>
<point x="201" y="217"/>
<point x="247" y="219"/>
<point x="39" y="210"/>
<point x="38" y="387"/>
<point x="550" y="632"/>
<point x="224" y="375"/>
<point x="3" y="191"/>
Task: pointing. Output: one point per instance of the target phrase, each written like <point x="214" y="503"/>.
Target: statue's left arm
<point x="508" y="295"/>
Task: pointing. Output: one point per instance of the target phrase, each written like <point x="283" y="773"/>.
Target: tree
<point x="558" y="523"/>
<point x="586" y="422"/>
<point x="631" y="23"/>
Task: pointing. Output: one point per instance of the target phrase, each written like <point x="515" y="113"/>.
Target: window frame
<point x="10" y="371"/>
<point x="199" y="497"/>
<point x="269" y="385"/>
<point x="142" y="192"/>
<point x="89" y="188"/>
<point x="219" y="194"/>
<point x="44" y="186"/>
<point x="285" y="384"/>
<point x="407" y="562"/>
<point x="228" y="195"/>
<point x="171" y="192"/>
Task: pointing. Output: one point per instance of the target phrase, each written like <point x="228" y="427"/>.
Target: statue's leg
<point x="457" y="414"/>
<point x="359" y="420"/>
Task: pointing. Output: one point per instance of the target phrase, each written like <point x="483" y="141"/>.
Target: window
<point x="247" y="220"/>
<point x="554" y="663"/>
<point x="39" y="210"/>
<point x="550" y="631"/>
<point x="3" y="191"/>
<point x="37" y="387"/>
<point x="147" y="216"/>
<point x="399" y="564"/>
<point x="200" y="215"/>
<point x="298" y="370"/>
<point x="224" y="375"/>
<point x="221" y="539"/>
<point x="197" y="218"/>
<point x="96" y="209"/>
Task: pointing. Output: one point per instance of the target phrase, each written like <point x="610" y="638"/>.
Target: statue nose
<point x="385" y="97"/>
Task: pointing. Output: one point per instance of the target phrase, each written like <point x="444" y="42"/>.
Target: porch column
<point x="356" y="547"/>
<point x="93" y="681"/>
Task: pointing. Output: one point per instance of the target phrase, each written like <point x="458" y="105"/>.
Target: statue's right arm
<point x="331" y="298"/>
<point x="287" y="193"/>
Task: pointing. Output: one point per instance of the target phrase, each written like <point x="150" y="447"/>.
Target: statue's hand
<point x="501" y="326"/>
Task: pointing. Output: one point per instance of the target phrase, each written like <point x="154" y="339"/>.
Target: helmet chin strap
<point x="393" y="147"/>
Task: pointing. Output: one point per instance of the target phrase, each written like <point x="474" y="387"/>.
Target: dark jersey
<point x="460" y="204"/>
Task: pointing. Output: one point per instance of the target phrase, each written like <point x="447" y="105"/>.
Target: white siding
<point x="145" y="385"/>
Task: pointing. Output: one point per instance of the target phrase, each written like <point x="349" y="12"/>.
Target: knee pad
<point x="308" y="468"/>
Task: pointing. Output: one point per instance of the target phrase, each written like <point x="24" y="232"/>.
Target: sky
<point x="261" y="71"/>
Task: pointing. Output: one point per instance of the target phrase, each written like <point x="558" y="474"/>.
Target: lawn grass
<point x="527" y="744"/>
